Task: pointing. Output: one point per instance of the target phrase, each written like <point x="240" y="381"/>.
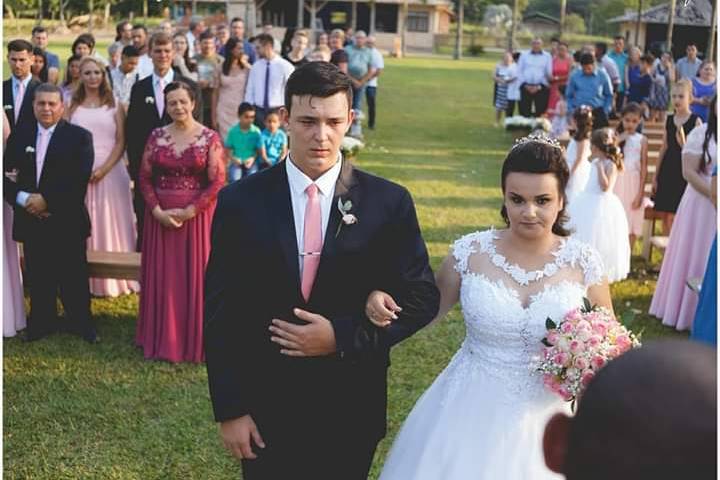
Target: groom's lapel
<point x="344" y="190"/>
<point x="282" y="215"/>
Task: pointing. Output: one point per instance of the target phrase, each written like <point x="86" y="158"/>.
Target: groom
<point x="297" y="372"/>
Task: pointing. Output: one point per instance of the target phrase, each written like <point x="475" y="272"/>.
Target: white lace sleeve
<point x="695" y="139"/>
<point x="462" y="249"/>
<point x="592" y="265"/>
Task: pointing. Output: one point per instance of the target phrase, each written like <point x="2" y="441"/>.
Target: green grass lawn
<point x="74" y="411"/>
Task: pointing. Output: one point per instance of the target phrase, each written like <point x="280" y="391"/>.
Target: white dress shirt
<point x="22" y="196"/>
<point x="298" y="184"/>
<point x="280" y="70"/>
<point x="378" y="63"/>
<point x="535" y="68"/>
<point x="122" y="83"/>
<point x="145" y="66"/>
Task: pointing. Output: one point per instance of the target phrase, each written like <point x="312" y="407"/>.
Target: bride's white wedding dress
<point x="484" y="416"/>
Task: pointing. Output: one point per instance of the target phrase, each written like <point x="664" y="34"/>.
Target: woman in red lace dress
<point x="182" y="170"/>
<point x="561" y="65"/>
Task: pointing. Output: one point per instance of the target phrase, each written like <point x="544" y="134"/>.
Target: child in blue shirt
<point x="244" y="144"/>
<point x="274" y="139"/>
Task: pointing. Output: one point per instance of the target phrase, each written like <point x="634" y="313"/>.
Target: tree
<point x="574" y="23"/>
<point x="497" y="18"/>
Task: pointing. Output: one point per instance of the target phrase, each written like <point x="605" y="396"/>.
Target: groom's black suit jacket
<point x="253" y="277"/>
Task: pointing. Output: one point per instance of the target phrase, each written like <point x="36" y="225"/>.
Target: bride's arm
<point x="381" y="308"/>
<point x="599" y="294"/>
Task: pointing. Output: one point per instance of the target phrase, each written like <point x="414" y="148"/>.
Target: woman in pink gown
<point x="560" y="72"/>
<point x="231" y="91"/>
<point x="692" y="234"/>
<point x="14" y="318"/>
<point x="182" y="170"/>
<point x="109" y="199"/>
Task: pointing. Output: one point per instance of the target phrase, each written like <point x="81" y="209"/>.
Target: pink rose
<point x="584" y="325"/>
<point x="576" y="346"/>
<point x="600" y="327"/>
<point x="552" y="337"/>
<point x="584" y="335"/>
<point x="623" y="342"/>
<point x="566" y="327"/>
<point x="581" y="363"/>
<point x="613" y="352"/>
<point x="594" y="341"/>
<point x="562" y="359"/>
<point x="597" y="362"/>
<point x="586" y="378"/>
<point x="564" y="393"/>
<point x="573" y="315"/>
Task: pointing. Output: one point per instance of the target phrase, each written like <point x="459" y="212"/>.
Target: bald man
<point x="651" y="414"/>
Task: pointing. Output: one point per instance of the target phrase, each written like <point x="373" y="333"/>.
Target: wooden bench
<point x="123" y="265"/>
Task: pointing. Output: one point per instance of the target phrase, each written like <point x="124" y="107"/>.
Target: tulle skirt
<point x="599" y="219"/>
<point x="467" y="426"/>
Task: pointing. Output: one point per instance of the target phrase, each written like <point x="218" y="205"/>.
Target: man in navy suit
<point x="51" y="161"/>
<point x="146" y="112"/>
<point x="18" y="90"/>
<point x="297" y="372"/>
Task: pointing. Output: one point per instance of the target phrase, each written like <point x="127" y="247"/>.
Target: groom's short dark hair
<point x="317" y="79"/>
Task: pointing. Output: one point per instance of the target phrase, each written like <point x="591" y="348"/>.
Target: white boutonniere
<point x="347" y="217"/>
<point x="8" y="107"/>
<point x="29" y="149"/>
<point x="150" y="100"/>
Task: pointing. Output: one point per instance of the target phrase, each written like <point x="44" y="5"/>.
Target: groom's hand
<point x="315" y="339"/>
<point x="238" y="434"/>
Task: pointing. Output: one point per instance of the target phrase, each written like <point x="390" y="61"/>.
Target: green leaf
<point x="348" y="206"/>
<point x="546" y="343"/>
<point x="587" y="306"/>
<point x="340" y="205"/>
<point x="549" y="324"/>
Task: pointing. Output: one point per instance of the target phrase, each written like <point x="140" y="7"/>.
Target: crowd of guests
<point x="608" y="166"/>
<point x="159" y="125"/>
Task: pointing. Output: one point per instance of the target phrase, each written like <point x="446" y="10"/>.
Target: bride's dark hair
<point x="539" y="157"/>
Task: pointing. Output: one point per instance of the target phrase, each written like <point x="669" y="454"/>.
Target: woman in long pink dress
<point x="562" y="62"/>
<point x="231" y="91"/>
<point x="692" y="234"/>
<point x="182" y="170"/>
<point x="14" y="318"/>
<point x="109" y="199"/>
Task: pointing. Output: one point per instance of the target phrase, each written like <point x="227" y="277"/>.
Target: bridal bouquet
<point x="580" y="345"/>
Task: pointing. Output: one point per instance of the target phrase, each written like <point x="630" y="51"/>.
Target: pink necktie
<point x="160" y="97"/>
<point x="40" y="151"/>
<point x="19" y="99"/>
<point x="312" y="241"/>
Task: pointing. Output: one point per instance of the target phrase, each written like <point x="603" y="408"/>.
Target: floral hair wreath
<point x="538" y="137"/>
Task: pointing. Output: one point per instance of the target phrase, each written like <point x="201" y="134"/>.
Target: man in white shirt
<point x="125" y="75"/>
<point x="322" y="235"/>
<point x="377" y="64"/>
<point x="266" y="82"/>
<point x="53" y="160"/>
<point x="535" y="72"/>
<point x="196" y="27"/>
<point x="140" y="42"/>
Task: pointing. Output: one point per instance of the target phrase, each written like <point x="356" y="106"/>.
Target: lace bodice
<point x="505" y="307"/>
<point x="198" y="170"/>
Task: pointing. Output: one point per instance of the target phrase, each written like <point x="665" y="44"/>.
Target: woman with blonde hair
<point x="108" y="199"/>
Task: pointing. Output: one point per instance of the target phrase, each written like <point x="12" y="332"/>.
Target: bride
<point x="484" y="415"/>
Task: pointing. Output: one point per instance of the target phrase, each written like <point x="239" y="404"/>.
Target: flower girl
<point x="597" y="214"/>
<point x="577" y="155"/>
<point x="630" y="183"/>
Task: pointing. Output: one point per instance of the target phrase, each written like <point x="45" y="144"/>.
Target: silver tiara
<point x="537" y="137"/>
